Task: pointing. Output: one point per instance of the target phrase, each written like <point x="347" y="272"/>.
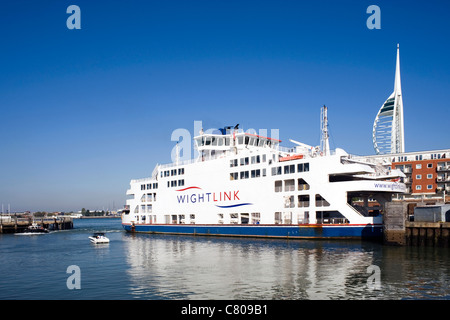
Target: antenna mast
<point x="324" y="144"/>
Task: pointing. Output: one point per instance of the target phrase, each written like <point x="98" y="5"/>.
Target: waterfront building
<point x="427" y="174"/>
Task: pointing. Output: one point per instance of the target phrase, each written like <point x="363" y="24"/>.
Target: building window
<point x="418" y="187"/>
<point x="429" y="187"/>
<point x="418" y="176"/>
<point x="429" y="165"/>
<point x="429" y="176"/>
<point x="418" y="166"/>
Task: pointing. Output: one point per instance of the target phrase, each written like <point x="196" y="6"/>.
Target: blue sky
<point x="84" y="111"/>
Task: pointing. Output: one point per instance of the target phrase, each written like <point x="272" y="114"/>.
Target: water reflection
<point x="177" y="267"/>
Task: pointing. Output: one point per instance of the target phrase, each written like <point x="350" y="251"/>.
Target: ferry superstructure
<point x="243" y="184"/>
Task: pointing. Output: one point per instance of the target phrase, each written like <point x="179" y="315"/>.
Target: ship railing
<point x="194" y="160"/>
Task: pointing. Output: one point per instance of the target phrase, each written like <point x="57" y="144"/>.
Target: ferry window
<point x="256" y="217"/>
<point x="208" y="141"/>
<point x="240" y="140"/>
<point x="227" y="141"/>
<point x="247" y="160"/>
<point x="244" y="174"/>
<point x="303" y="201"/>
<point x="302" y="185"/>
<point x="277" y="217"/>
<point x="289" y="202"/>
<point x="253" y="159"/>
<point x="181" y="183"/>
<point x="289" y="185"/>
<point x="263" y="172"/>
<point x="234" y="176"/>
<point x="258" y="159"/>
<point x="220" y="142"/>
<point x="149" y="186"/>
<point x="256" y="173"/>
<point x="168" y="184"/>
<point x="289" y="169"/>
<point x="321" y="202"/>
<point x="233" y="163"/>
<point x="276" y="171"/>
<point x="264" y="158"/>
<point x="180" y="171"/>
<point x="303" y="167"/>
<point x="142" y="186"/>
<point x="155" y="186"/>
<point x="278" y="186"/>
<point x="247" y="139"/>
<point x="214" y="141"/>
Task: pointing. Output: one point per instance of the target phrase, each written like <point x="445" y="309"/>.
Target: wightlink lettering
<point x="209" y="197"/>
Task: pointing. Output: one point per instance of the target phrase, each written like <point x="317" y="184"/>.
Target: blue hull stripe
<point x="275" y="231"/>
<point x="235" y="205"/>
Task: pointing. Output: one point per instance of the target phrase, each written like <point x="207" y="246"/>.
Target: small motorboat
<point x="99" y="237"/>
<point x="35" y="229"/>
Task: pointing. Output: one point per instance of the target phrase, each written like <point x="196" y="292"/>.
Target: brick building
<point x="427" y="174"/>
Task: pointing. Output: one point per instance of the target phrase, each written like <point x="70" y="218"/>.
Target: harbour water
<point x="142" y="266"/>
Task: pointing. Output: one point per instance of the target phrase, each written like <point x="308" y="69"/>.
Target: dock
<point x="17" y="225"/>
<point x="398" y="230"/>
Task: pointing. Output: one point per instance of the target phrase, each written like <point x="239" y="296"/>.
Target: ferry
<point x="247" y="185"/>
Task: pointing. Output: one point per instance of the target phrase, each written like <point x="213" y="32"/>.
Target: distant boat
<point x="99" y="237"/>
<point x="35" y="229"/>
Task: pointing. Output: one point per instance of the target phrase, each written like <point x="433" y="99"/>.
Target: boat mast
<point x="324" y="143"/>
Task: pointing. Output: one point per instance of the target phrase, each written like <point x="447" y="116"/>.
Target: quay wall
<point x="17" y="225"/>
<point x="398" y="230"/>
